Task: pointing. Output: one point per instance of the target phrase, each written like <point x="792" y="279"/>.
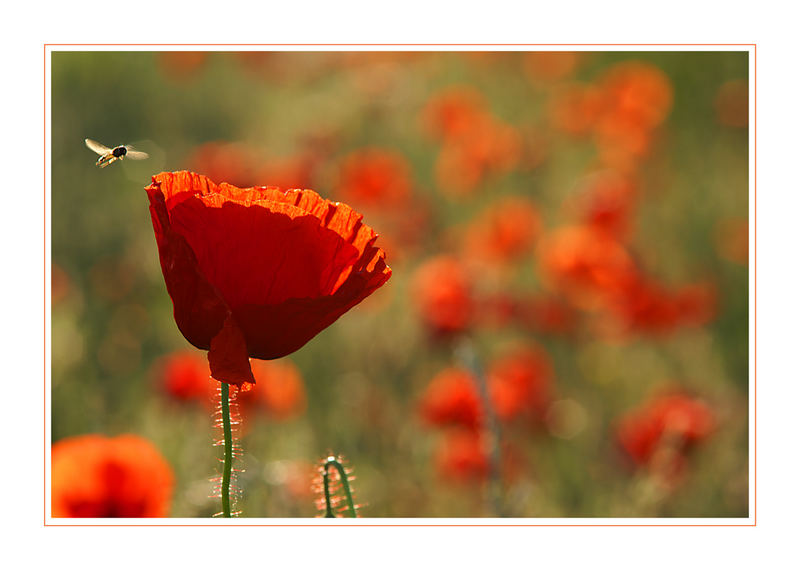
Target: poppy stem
<point x="348" y="495"/>
<point x="466" y="353"/>
<point x="225" y="490"/>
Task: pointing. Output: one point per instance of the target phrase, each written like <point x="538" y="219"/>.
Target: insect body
<point x="109" y="155"/>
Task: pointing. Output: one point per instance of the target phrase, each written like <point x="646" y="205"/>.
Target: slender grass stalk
<point x="466" y="353"/>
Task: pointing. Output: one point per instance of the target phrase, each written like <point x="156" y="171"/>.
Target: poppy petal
<point x="198" y="308"/>
<point x="228" y="357"/>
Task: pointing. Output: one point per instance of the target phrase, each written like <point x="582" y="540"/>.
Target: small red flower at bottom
<point x="258" y="272"/>
<point x="658" y="434"/>
<point x="98" y="477"/>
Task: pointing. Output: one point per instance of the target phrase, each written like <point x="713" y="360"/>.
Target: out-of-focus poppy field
<point x="564" y="332"/>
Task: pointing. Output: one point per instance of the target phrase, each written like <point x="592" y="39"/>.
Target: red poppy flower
<point x="258" y="272"/>
<point x="443" y="293"/>
<point x="98" y="477"/>
<point x="452" y="398"/>
<point x="671" y="423"/>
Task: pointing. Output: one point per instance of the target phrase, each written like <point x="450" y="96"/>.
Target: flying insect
<point x="109" y="155"/>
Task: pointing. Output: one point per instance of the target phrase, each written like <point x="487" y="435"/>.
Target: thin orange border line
<point x="398" y="44"/>
<point x="755" y="280"/>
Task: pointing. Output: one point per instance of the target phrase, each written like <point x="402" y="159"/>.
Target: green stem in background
<point x="348" y="495"/>
<point x="466" y="353"/>
<point x="225" y="489"/>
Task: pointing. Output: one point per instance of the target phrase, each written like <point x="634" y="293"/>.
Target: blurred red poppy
<point x="659" y="433"/>
<point x="520" y="383"/>
<point x="98" y="477"/>
<point x="279" y="390"/>
<point x="650" y="307"/>
<point x="605" y="201"/>
<point x="490" y="148"/>
<point x="375" y="177"/>
<point x="461" y="457"/>
<point x="184" y="376"/>
<point x="637" y="97"/>
<point x="442" y="290"/>
<point x="452" y="398"/>
<point x="475" y="143"/>
<point x="453" y="113"/>
<point x="586" y="265"/>
<point x="258" y="272"/>
<point x="638" y="92"/>
<point x="504" y="232"/>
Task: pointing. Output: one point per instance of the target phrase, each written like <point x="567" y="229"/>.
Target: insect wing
<point x="97" y="147"/>
<point x="136" y="154"/>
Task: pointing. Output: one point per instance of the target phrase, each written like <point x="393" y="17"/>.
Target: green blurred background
<point x="112" y="319"/>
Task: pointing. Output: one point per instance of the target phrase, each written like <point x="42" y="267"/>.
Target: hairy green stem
<point x="225" y="489"/>
<point x="332" y="461"/>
